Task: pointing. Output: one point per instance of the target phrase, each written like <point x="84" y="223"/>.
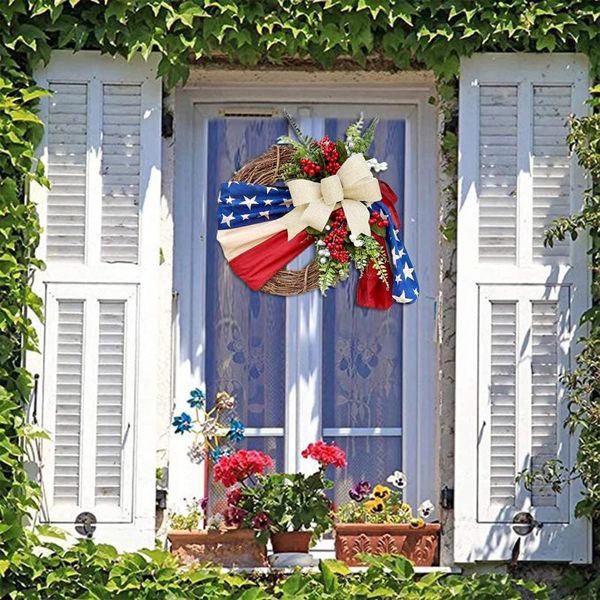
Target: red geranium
<point x="326" y="454"/>
<point x="241" y="465"/>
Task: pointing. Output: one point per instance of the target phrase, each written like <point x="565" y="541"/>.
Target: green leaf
<point x="328" y="578"/>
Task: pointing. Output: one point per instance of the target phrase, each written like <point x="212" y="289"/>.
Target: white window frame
<point x="410" y="98"/>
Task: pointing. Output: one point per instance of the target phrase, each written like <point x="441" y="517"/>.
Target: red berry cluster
<point x="309" y="167"/>
<point x="334" y="240"/>
<point x="332" y="157"/>
<point x="377" y="220"/>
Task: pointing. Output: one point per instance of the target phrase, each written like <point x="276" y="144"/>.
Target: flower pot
<point x="420" y="545"/>
<point x="230" y="548"/>
<point x="291" y="541"/>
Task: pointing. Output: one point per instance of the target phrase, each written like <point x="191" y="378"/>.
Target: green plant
<point x="99" y="572"/>
<point x="381" y="504"/>
<point x="278" y="502"/>
<point x="191" y="518"/>
<point x="289" y="502"/>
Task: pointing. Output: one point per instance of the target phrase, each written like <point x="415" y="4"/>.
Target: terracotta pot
<point x="291" y="541"/>
<point x="418" y="545"/>
<point x="230" y="548"/>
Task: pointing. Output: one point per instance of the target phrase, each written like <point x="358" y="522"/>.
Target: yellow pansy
<point x="380" y="491"/>
<point x="374" y="506"/>
<point x="417" y="523"/>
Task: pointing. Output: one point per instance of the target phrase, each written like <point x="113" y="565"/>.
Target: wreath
<point x="304" y="192"/>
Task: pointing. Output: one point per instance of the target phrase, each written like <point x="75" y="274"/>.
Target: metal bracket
<point x="447" y="498"/>
<point x="524" y="523"/>
<point x="85" y="524"/>
<point x="161" y="499"/>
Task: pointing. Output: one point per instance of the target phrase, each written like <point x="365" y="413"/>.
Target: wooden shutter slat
<point x="109" y="415"/>
<point x="67" y="429"/>
<point x="67" y="146"/>
<point x="120" y="172"/>
<point x="497" y="179"/>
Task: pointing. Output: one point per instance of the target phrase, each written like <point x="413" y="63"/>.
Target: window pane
<point x="362" y="348"/>
<point x="245" y="349"/>
<point x="371" y="458"/>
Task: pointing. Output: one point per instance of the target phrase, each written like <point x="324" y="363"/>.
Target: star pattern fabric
<point x="242" y="204"/>
<point x="405" y="286"/>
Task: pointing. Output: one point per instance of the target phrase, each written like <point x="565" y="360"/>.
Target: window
<point x="302" y="368"/>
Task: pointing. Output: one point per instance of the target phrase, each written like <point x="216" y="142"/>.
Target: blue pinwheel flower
<point x="182" y="423"/>
<point x="197" y="398"/>
<point x="219" y="452"/>
<point x="236" y="430"/>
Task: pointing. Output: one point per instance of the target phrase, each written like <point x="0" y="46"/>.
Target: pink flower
<point x="326" y="454"/>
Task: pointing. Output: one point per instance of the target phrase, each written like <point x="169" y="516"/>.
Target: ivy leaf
<point x="546" y="42"/>
<point x="33" y="93"/>
<point x="24" y="115"/>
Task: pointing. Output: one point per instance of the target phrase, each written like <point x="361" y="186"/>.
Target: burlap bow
<point x="353" y="188"/>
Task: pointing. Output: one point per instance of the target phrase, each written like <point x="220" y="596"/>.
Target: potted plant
<point x="290" y="508"/>
<point x="376" y="520"/>
<point x="219" y="544"/>
<point x="212" y="436"/>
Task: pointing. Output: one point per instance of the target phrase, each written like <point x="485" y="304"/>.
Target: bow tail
<point x="357" y="215"/>
<point x="371" y="291"/>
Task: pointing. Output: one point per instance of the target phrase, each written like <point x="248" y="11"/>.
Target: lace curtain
<point x="245" y="348"/>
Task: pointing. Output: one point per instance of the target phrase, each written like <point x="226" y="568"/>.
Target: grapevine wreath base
<point x="266" y="170"/>
<point x="305" y="192"/>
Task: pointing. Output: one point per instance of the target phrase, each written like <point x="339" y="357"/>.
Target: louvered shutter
<point x="518" y="305"/>
<point x="101" y="247"/>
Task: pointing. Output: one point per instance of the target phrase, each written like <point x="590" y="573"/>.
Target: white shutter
<point x="518" y="304"/>
<point x="101" y="219"/>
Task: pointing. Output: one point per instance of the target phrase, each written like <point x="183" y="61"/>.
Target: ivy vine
<point x="428" y="34"/>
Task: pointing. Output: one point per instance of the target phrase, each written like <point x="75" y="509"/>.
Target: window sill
<point x="264" y="570"/>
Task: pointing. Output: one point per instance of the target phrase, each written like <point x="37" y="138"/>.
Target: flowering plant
<point x="337" y="247"/>
<point x="195" y="512"/>
<point x="382" y="504"/>
<point x="278" y="502"/>
<point x="213" y="437"/>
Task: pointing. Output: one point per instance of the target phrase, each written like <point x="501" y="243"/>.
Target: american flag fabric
<point x="254" y="241"/>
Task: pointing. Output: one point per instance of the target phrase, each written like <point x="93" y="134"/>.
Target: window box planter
<point x="230" y="548"/>
<point x="418" y="545"/>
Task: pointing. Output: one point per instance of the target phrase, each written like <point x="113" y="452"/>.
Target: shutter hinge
<point x="447" y="498"/>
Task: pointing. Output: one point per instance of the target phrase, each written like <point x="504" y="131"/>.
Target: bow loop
<point x="353" y="188"/>
<point x="332" y="190"/>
